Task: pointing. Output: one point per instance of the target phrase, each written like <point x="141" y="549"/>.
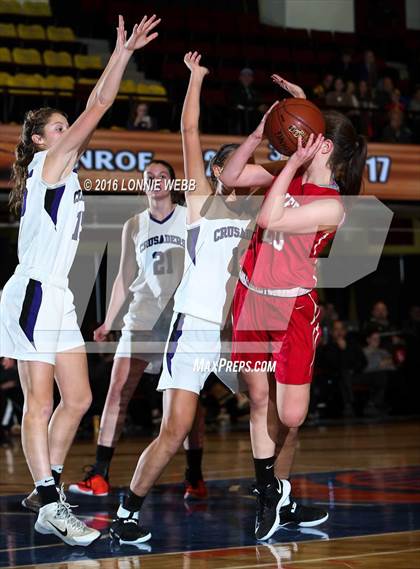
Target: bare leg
<point x="263" y="427"/>
<point x="37" y="380"/>
<point x="195" y="438"/>
<point x="72" y="378"/>
<point x="179" y="410"/>
<point x="125" y="377"/>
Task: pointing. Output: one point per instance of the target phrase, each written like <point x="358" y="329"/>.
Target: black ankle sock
<point x="264" y="470"/>
<point x="47" y="491"/>
<point x="57" y="475"/>
<point x="132" y="502"/>
<point x="103" y="460"/>
<point x="193" y="471"/>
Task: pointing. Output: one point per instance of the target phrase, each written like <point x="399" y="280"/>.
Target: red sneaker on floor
<point x="198" y="492"/>
<point x="92" y="485"/>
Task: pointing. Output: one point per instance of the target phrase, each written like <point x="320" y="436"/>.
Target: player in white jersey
<point x="38" y="324"/>
<point x="151" y="267"/>
<point x="200" y="309"/>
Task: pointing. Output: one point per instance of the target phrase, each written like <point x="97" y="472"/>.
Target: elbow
<point x="228" y="180"/>
<point x="187" y="128"/>
<point x="102" y="103"/>
<point x="266" y="220"/>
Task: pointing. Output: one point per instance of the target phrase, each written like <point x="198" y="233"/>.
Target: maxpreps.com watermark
<point x="138" y="185"/>
<point x="205" y="365"/>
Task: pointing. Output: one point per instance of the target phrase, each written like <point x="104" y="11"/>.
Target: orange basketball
<point x="290" y="119"/>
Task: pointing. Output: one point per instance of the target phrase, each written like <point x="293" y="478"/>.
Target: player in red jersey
<point x="275" y="309"/>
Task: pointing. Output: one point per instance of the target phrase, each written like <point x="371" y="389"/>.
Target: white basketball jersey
<point x="51" y="221"/>
<point x="159" y="249"/>
<point x="211" y="263"/>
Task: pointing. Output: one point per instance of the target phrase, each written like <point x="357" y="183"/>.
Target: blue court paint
<point x="227" y="518"/>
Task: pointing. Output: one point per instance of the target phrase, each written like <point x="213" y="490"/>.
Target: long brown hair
<point x="348" y="158"/>
<point x="34" y="123"/>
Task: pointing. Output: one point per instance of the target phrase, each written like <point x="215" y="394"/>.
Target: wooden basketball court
<point x="368" y="476"/>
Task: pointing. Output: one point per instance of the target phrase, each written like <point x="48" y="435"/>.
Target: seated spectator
<point x="342" y="359"/>
<point x="414" y="110"/>
<point x="338" y="97"/>
<point x="365" y="99"/>
<point x="345" y="67"/>
<point x="383" y="93"/>
<point x="379" y="363"/>
<point x="395" y="131"/>
<point x="246" y="103"/>
<point x="368" y="70"/>
<point x="379" y="318"/>
<point x="396" y="103"/>
<point x="321" y="90"/>
<point x="141" y="119"/>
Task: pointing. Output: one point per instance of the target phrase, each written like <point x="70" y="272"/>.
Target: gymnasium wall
<point x="331" y="15"/>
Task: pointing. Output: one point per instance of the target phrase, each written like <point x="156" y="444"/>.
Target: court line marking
<point x="250" y="547"/>
<point x="331" y="558"/>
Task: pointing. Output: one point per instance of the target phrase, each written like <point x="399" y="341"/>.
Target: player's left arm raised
<point x="63" y="155"/>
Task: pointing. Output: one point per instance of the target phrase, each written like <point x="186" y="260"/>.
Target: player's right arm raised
<point x="62" y="156"/>
<point x="194" y="167"/>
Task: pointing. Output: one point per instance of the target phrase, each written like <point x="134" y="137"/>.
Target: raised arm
<point x="126" y="275"/>
<point x="194" y="167"/>
<point x="63" y="155"/>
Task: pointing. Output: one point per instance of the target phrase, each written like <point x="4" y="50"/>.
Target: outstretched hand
<point x="291" y="88"/>
<point x="121" y="36"/>
<point x="140" y="34"/>
<point x="259" y="131"/>
<point x="192" y="61"/>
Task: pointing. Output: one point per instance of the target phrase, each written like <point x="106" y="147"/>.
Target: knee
<point x="38" y="409"/>
<point x="79" y="405"/>
<point x="258" y="400"/>
<point x="173" y="433"/>
<point x="292" y="418"/>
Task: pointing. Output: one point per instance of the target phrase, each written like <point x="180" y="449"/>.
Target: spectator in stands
<point x="342" y="359"/>
<point x="383" y="94"/>
<point x="414" y="110"/>
<point x="376" y="374"/>
<point x="379" y="318"/>
<point x="395" y="131"/>
<point x="369" y="69"/>
<point x="322" y="89"/>
<point x="246" y="103"/>
<point x="366" y="104"/>
<point x="345" y="67"/>
<point x="396" y="103"/>
<point x="141" y="119"/>
<point x="338" y="97"/>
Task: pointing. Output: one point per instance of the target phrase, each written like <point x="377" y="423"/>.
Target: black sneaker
<point x="128" y="531"/>
<point x="302" y="516"/>
<point x="270" y="499"/>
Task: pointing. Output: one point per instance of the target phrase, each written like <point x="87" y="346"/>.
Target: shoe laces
<point x="64" y="512"/>
<point x="265" y="497"/>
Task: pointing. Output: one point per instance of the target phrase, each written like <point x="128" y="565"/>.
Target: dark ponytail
<point x="219" y="160"/>
<point x="34" y="123"/>
<point x="348" y="158"/>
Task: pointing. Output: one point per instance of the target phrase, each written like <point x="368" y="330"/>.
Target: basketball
<point x="289" y="120"/>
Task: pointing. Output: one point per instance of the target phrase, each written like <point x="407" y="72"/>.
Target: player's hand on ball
<point x="259" y="131"/>
<point x="291" y="88"/>
<point x="100" y="334"/>
<point x="305" y="153"/>
<point x="192" y="61"/>
<point x="140" y="35"/>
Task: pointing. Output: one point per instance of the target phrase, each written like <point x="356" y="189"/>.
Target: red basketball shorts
<point x="284" y="330"/>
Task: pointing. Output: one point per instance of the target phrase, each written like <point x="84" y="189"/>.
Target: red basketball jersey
<point x="278" y="260"/>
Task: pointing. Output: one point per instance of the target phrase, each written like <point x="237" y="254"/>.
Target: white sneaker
<point x="57" y="519"/>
